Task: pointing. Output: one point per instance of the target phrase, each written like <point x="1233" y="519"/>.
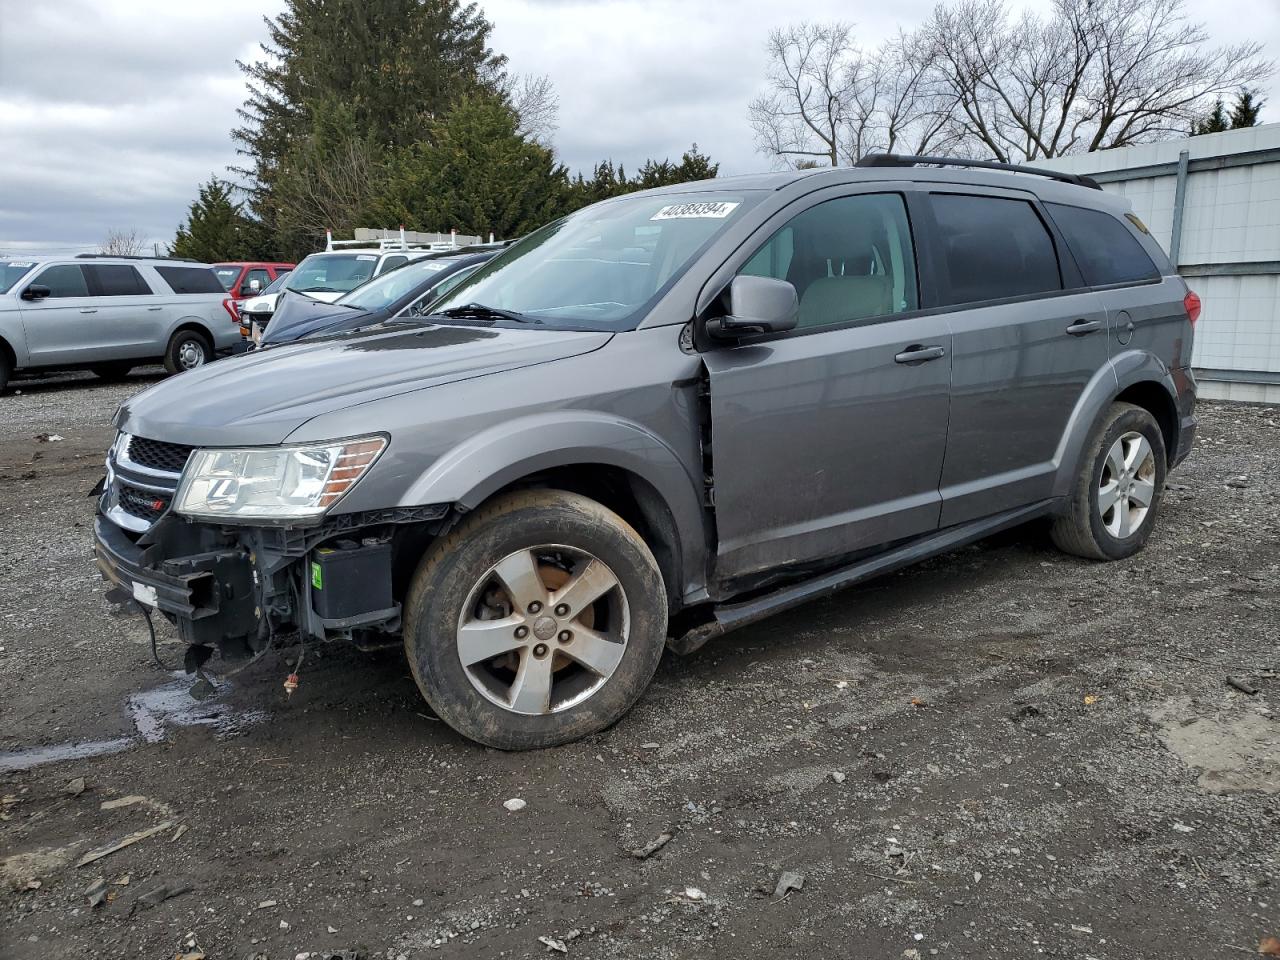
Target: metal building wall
<point x="1213" y="202"/>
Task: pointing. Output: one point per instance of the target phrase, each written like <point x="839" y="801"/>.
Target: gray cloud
<point x="116" y="112"/>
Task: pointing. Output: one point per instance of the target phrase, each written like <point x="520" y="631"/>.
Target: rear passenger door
<point x="1027" y="339"/>
<point x="828" y="439"/>
<point x="62" y="327"/>
<point x="129" y="316"/>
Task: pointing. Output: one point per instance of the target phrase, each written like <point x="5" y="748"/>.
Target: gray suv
<point x="110" y="314"/>
<point x="662" y="417"/>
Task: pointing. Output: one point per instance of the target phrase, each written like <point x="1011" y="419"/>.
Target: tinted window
<point x="392" y="262"/>
<point x="65" y="280"/>
<point x="115" y="280"/>
<point x="1103" y="246"/>
<point x="191" y="279"/>
<point x="849" y="259"/>
<point x="994" y="248"/>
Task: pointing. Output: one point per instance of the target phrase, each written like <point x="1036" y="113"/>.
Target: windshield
<point x="226" y="275"/>
<point x="331" y="272"/>
<point x="600" y="267"/>
<point x="391" y="286"/>
<point x="11" y="271"/>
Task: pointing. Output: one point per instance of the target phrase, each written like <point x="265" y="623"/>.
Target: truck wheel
<point x="1116" y="497"/>
<point x="187" y="350"/>
<point x="540" y="619"/>
<point x="112" y="371"/>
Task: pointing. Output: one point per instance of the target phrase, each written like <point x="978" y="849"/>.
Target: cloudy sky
<point x="116" y="111"/>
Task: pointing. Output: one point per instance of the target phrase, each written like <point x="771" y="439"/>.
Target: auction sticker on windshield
<point x="713" y="210"/>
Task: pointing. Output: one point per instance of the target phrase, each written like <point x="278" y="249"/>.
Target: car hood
<point x="262" y="397"/>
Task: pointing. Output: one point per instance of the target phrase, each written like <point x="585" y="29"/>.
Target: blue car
<point x="416" y="284"/>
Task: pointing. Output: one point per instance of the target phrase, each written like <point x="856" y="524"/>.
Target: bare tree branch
<point x="121" y="243"/>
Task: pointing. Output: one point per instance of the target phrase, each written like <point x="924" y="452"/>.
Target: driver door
<point x="828" y="439"/>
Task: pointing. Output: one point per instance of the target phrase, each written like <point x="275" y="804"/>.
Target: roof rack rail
<point x="899" y="160"/>
<point x="131" y="256"/>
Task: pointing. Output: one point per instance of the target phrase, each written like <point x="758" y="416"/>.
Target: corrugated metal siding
<point x="1229" y="248"/>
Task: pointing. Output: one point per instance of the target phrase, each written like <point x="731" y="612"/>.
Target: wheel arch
<point x="617" y="462"/>
<point x="191" y="323"/>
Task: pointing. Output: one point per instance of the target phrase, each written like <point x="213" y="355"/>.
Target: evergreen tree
<point x="475" y="173"/>
<point x="217" y="229"/>
<point x="1215" y="122"/>
<point x="1246" y="110"/>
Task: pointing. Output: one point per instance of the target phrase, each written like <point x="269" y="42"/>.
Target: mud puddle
<point x="154" y="712"/>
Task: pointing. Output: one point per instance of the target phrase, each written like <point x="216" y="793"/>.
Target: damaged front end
<point x="237" y="586"/>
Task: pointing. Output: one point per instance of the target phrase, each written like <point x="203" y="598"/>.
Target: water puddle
<point x="153" y="711"/>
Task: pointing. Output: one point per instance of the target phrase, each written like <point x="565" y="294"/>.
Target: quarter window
<point x="116" y="280"/>
<point x="849" y="259"/>
<point x="1103" y="246"/>
<point x="994" y="248"/>
<point x="64" y="280"/>
<point x="191" y="279"/>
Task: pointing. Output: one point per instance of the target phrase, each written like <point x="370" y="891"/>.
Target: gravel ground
<point x="1003" y="752"/>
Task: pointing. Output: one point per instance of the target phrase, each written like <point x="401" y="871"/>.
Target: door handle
<point x="155" y="308"/>
<point x="88" y="309"/>
<point x="1081" y="327"/>
<point x="919" y="353"/>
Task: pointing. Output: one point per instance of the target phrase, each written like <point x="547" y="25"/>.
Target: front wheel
<point x="540" y="619"/>
<point x="1117" y="494"/>
<point x="187" y="350"/>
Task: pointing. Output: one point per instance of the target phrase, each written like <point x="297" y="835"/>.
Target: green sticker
<point x="317" y="578"/>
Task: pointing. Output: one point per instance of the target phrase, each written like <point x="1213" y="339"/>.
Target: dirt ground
<point x="1004" y="752"/>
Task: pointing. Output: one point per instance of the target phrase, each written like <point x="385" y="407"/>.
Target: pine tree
<point x="1245" y="112"/>
<point x="1215" y="122"/>
<point x="217" y="229"/>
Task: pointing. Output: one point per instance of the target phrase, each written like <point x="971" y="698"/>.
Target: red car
<point x="242" y="280"/>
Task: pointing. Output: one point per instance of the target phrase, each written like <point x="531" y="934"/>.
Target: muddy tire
<point x="1116" y="498"/>
<point x="187" y="350"/>
<point x="539" y="619"/>
<point x="112" y="372"/>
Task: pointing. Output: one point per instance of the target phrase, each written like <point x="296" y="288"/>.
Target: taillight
<point x="1192" y="304"/>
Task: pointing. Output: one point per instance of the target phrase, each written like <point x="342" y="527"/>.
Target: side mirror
<point x="36" y="291"/>
<point x="757" y="305"/>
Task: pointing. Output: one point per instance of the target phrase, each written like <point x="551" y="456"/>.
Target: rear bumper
<point x="1184" y="382"/>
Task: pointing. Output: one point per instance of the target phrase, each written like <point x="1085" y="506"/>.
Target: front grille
<point x="157" y="455"/>
<point x="143" y="504"/>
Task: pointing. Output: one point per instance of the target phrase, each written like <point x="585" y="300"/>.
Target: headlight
<point x="273" y="483"/>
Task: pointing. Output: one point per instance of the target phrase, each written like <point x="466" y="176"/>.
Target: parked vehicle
<point x="663" y="417"/>
<point x="408" y="289"/>
<point x="110" y="314"/>
<point x="246" y="279"/>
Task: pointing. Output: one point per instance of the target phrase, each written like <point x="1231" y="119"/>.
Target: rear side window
<point x="994" y="248"/>
<point x="64" y="280"/>
<point x="849" y="259"/>
<point x="116" y="280"/>
<point x="1103" y="246"/>
<point x="191" y="279"/>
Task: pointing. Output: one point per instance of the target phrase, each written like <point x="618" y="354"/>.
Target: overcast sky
<point x="116" y="111"/>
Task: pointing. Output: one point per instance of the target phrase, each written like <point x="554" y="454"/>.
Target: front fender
<point x="475" y="469"/>
<point x="1122" y="371"/>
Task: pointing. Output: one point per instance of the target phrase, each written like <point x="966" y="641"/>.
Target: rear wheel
<point x="187" y="350"/>
<point x="1117" y="494"/>
<point x="112" y="371"/>
<point x="539" y="620"/>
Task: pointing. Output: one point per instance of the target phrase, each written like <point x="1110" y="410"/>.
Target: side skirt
<point x="731" y="616"/>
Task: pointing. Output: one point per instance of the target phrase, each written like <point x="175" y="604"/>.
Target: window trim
<point x="723" y="275"/>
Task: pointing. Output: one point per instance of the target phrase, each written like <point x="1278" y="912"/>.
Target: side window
<point x="256" y="274"/>
<point x="191" y="279"/>
<point x="994" y="248"/>
<point x="64" y="280"/>
<point x="1103" y="246"/>
<point x="390" y="263"/>
<point x="849" y="259"/>
<point x="116" y="280"/>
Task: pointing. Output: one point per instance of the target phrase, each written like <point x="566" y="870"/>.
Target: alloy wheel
<point x="543" y="630"/>
<point x="1128" y="485"/>
<point x="191" y="355"/>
